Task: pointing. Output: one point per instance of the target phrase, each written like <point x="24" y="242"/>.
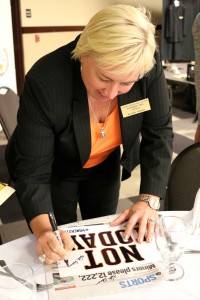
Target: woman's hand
<point x="142" y="214"/>
<point x="48" y="247"/>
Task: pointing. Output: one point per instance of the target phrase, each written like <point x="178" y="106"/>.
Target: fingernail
<point x="149" y="240"/>
<point x="140" y="240"/>
<point x="126" y="237"/>
<point x="75" y="247"/>
<point x="66" y="257"/>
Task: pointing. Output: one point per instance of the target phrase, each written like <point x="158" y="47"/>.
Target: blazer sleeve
<point x="32" y="148"/>
<point x="44" y="113"/>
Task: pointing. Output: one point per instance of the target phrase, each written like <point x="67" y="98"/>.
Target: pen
<point x="53" y="223"/>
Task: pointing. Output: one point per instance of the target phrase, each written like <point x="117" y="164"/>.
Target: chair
<point x="9" y="104"/>
<point x="184" y="179"/>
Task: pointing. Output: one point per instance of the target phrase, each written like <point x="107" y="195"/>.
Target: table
<point x="174" y="80"/>
<point x="177" y="79"/>
<point x="24" y="250"/>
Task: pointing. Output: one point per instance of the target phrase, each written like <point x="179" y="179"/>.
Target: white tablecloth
<point x="188" y="288"/>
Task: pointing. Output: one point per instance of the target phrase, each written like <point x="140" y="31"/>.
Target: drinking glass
<point x="171" y="234"/>
<point x="17" y="282"/>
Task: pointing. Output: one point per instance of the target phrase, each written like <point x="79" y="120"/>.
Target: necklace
<point x="102" y="128"/>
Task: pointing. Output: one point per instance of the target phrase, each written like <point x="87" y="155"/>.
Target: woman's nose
<point x="113" y="90"/>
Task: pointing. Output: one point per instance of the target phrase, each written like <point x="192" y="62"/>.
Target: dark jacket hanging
<point x="177" y="41"/>
<point x="175" y="23"/>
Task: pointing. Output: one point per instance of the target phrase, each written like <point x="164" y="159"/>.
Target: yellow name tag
<point x="2" y="186"/>
<point x="135" y="108"/>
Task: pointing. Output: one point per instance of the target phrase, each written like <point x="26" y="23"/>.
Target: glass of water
<point x="17" y="282"/>
<point x="171" y="237"/>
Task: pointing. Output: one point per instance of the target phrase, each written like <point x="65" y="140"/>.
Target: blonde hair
<point x="121" y="38"/>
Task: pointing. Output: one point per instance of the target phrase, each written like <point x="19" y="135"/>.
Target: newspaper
<point x="5" y="192"/>
<point x="103" y="257"/>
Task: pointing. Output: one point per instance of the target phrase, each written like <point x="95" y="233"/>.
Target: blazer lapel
<point x="81" y="119"/>
<point x="130" y="126"/>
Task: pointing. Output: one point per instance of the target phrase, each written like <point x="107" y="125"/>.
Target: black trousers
<point x="96" y="190"/>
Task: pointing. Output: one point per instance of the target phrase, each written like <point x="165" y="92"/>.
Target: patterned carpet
<point x="11" y="215"/>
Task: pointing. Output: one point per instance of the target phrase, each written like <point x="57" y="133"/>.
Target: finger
<point x="48" y="256"/>
<point x="51" y="255"/>
<point x="43" y="258"/>
<point x="122" y="218"/>
<point x="68" y="243"/>
<point x="52" y="248"/>
<point x="45" y="248"/>
<point x="49" y="261"/>
<point x="57" y="250"/>
<point x="142" y="230"/>
<point x="54" y="244"/>
<point x="150" y="229"/>
<point x="130" y="226"/>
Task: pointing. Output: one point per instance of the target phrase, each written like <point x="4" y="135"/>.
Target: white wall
<point x="65" y="13"/>
<point x="75" y="12"/>
<point x="37" y="45"/>
<point x="60" y="12"/>
<point x="154" y="6"/>
<point x="50" y="13"/>
<point x="7" y="62"/>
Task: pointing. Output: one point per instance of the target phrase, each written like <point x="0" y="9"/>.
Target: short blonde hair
<point x="121" y="38"/>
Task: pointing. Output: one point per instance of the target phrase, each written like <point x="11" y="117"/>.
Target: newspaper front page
<point x="103" y="263"/>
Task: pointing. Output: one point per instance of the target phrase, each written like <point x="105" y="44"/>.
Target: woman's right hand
<point x="48" y="247"/>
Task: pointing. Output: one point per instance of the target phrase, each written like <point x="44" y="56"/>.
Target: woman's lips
<point x="102" y="95"/>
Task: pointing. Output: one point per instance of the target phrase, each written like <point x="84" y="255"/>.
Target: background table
<point x="176" y="79"/>
<point x="24" y="250"/>
<point x="180" y="87"/>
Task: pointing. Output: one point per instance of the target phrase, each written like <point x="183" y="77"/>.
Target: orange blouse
<point x="102" y="147"/>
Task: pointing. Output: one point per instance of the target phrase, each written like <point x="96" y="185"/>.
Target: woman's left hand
<point x="142" y="214"/>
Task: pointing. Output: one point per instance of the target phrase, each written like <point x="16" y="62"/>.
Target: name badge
<point x="135" y="108"/>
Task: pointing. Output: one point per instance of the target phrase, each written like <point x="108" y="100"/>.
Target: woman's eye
<point x="128" y="83"/>
<point x="103" y="79"/>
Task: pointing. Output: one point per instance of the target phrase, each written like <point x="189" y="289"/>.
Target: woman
<point x="78" y="105"/>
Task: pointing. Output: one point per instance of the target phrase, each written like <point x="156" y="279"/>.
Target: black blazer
<point x="52" y="138"/>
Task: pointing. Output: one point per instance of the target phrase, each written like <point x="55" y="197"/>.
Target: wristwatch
<point x="153" y="202"/>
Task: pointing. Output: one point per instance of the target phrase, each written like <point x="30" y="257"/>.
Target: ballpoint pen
<point x="52" y="220"/>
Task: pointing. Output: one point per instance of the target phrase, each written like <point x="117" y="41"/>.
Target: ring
<point x="42" y="258"/>
<point x="151" y="220"/>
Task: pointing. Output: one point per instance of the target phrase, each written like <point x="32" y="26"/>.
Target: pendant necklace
<point x="102" y="128"/>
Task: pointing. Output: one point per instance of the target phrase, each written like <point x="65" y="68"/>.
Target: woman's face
<point x="103" y="85"/>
